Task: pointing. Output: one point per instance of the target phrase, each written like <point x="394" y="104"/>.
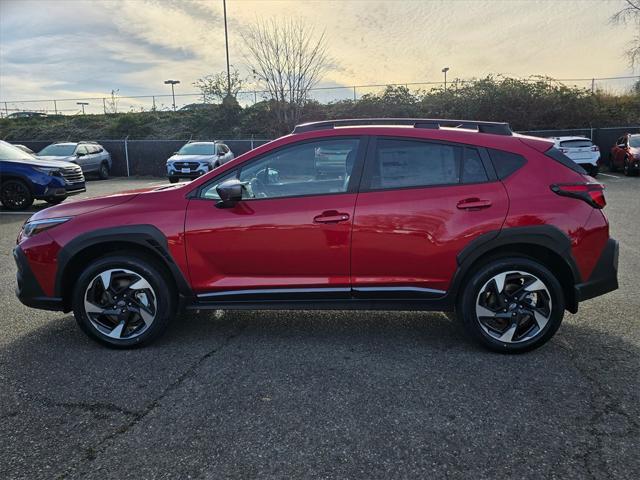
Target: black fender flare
<point x="147" y="236"/>
<point x="546" y="236"/>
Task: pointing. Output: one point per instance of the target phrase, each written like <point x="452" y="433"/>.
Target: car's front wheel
<point x="123" y="301"/>
<point x="173" y="179"/>
<point x="15" y="195"/>
<point x="512" y="305"/>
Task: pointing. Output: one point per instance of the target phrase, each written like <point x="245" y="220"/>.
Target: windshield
<point x="634" y="141"/>
<point x="9" y="152"/>
<point x="57" y="150"/>
<point x="197" y="149"/>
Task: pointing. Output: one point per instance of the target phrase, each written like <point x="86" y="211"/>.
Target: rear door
<point x="420" y="204"/>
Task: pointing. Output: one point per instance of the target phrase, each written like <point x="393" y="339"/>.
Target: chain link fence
<point x="164" y="101"/>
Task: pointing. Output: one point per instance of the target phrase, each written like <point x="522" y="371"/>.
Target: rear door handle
<point x="331" y="216"/>
<point x="473" y="204"/>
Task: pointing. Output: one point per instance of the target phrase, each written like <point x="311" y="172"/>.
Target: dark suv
<point x="421" y="215"/>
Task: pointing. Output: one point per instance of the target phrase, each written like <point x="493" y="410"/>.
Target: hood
<point x="73" y="208"/>
<point x="57" y="158"/>
<point x="42" y="162"/>
<point x="192" y="158"/>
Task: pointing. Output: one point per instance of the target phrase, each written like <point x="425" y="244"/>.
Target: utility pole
<point x="82" y="104"/>
<point x="173" y="93"/>
<point x="445" y="70"/>
<point x="226" y="43"/>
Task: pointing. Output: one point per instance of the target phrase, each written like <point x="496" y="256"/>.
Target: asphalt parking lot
<point x="324" y="395"/>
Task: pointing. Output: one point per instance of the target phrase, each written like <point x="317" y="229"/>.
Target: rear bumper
<point x="604" y="278"/>
<point x="28" y="289"/>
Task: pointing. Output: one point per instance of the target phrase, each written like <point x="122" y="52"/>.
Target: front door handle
<point x="473" y="204"/>
<point x="331" y="216"/>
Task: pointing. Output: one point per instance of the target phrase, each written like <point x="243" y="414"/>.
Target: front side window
<point x="408" y="163"/>
<point x="634" y="141"/>
<point x="301" y="170"/>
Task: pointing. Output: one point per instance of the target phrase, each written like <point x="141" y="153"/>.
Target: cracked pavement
<point x="324" y="394"/>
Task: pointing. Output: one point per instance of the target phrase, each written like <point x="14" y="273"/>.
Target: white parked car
<point x="197" y="158"/>
<point x="581" y="150"/>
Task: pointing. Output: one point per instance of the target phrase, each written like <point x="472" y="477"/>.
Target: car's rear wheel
<point x="15" y="195"/>
<point x="173" y="179"/>
<point x="512" y="305"/>
<point x="55" y="200"/>
<point x="103" y="172"/>
<point x="123" y="301"/>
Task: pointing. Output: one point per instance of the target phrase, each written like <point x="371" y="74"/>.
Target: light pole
<point x="445" y="70"/>
<point x="226" y="44"/>
<point x="173" y="93"/>
<point x="82" y="104"/>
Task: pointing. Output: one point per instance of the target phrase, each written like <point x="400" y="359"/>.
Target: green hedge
<point x="539" y="103"/>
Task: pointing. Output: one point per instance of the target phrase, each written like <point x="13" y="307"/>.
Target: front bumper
<point x="604" y="278"/>
<point x="172" y="171"/>
<point x="28" y="289"/>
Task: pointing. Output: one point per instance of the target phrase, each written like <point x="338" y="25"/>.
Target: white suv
<point x="197" y="158"/>
<point x="581" y="150"/>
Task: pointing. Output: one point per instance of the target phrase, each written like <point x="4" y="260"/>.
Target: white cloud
<point x="55" y="48"/>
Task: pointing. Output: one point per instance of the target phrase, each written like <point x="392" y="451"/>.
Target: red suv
<point x="422" y="215"/>
<point x="625" y="154"/>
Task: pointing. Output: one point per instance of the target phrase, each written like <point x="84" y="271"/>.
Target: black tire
<point x="612" y="166"/>
<point x="55" y="200"/>
<point x="174" y="179"/>
<point x="15" y="195"/>
<point x="162" y="293"/>
<point x="103" y="172"/>
<point x="470" y="296"/>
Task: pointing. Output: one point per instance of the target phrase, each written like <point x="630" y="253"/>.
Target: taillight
<point x="592" y="193"/>
<point x="595" y="148"/>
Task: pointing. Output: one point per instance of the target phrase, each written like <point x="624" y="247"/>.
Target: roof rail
<point x="495" y="128"/>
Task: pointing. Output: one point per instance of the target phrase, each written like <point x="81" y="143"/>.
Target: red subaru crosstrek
<point x="405" y="214"/>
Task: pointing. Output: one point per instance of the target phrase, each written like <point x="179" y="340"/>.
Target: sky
<point x="85" y="48"/>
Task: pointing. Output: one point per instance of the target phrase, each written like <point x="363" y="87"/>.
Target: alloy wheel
<point x="120" y="303"/>
<point x="15" y="195"/>
<point x="513" y="306"/>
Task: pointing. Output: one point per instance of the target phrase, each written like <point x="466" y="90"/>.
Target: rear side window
<point x="406" y="163"/>
<point x="506" y="163"/>
<point x="560" y="157"/>
<point x="472" y="168"/>
<point x="576" y="144"/>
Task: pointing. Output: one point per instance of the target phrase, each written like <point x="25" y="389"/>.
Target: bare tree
<point x="288" y="60"/>
<point x="215" y="87"/>
<point x="630" y="13"/>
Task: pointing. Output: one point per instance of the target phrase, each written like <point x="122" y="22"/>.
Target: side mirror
<point x="80" y="154"/>
<point x="230" y="192"/>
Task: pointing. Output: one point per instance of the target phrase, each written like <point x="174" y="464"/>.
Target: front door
<point x="420" y="204"/>
<point x="289" y="237"/>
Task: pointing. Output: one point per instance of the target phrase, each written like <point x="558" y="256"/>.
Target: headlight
<point x="54" y="171"/>
<point x="31" y="228"/>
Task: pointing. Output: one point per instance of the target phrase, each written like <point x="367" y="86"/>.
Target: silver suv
<point x="197" y="158"/>
<point x="90" y="156"/>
